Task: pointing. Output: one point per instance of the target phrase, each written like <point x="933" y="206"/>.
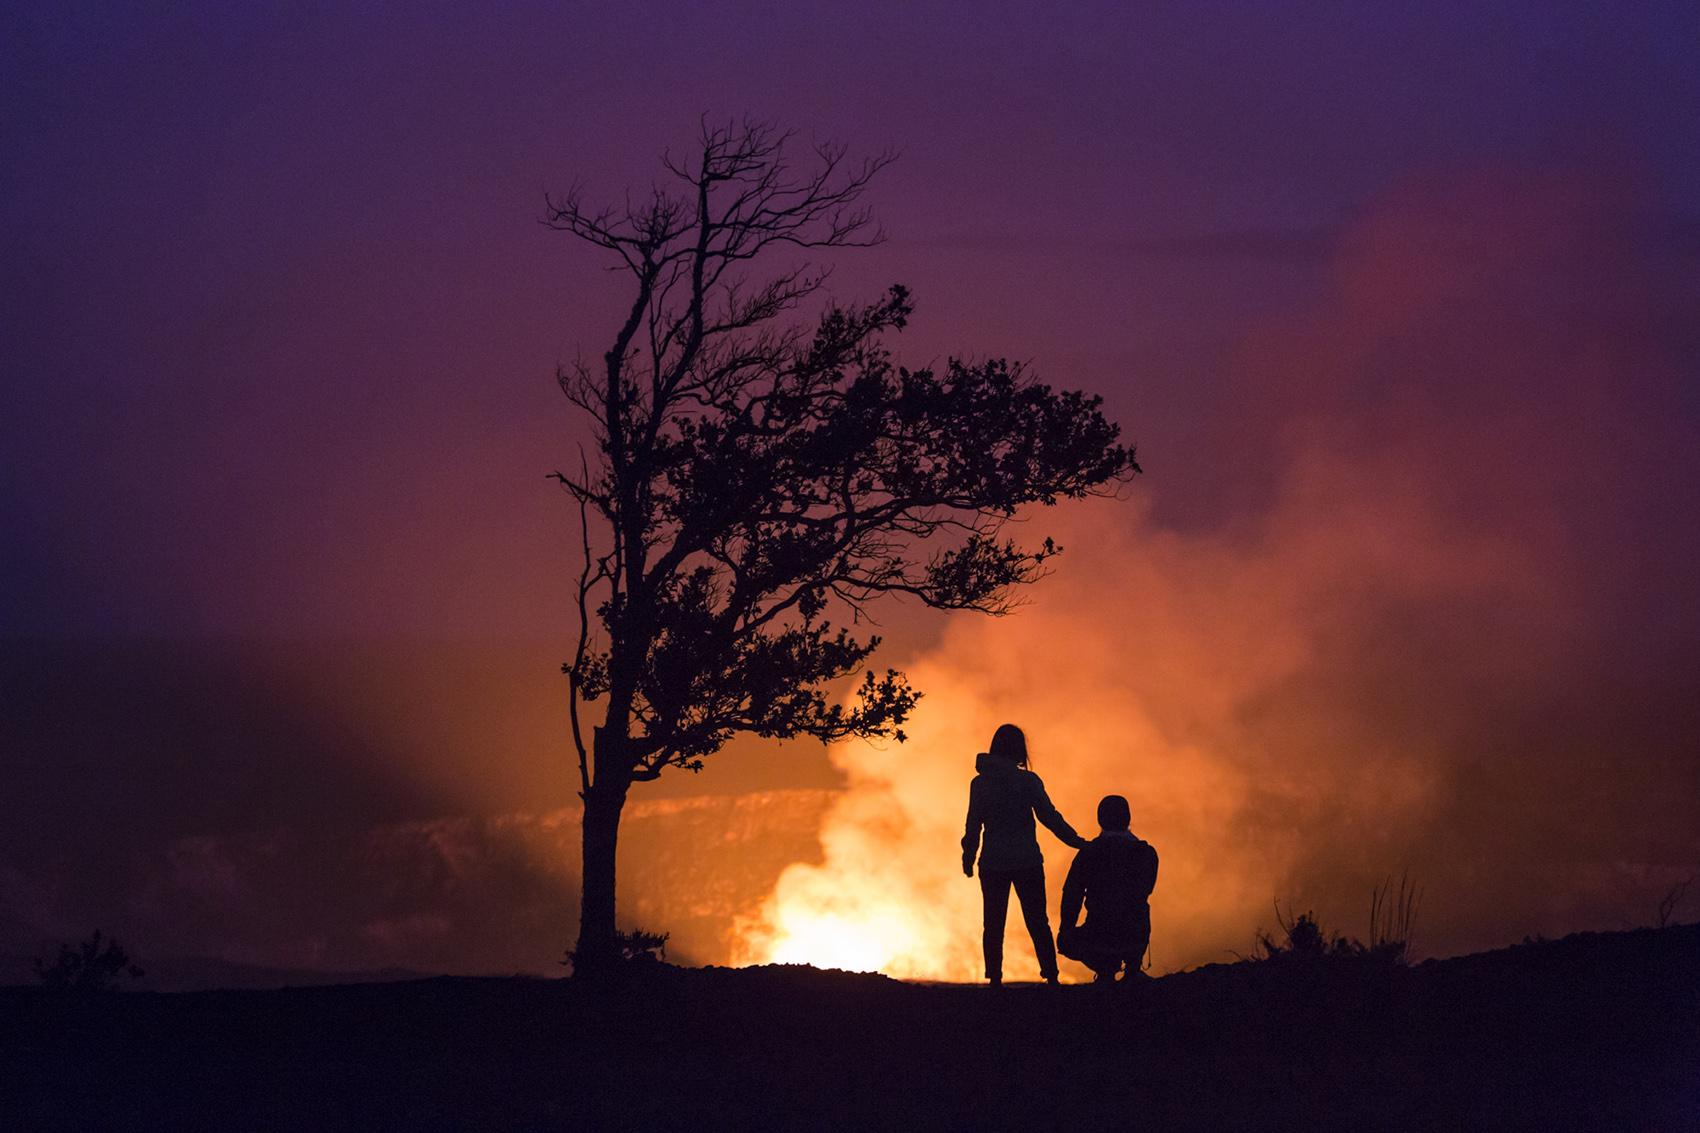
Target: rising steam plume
<point x="1439" y="617"/>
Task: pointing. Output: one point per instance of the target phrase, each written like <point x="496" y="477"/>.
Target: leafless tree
<point x="1669" y="903"/>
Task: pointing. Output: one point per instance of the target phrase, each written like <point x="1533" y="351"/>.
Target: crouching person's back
<point x="1112" y="877"/>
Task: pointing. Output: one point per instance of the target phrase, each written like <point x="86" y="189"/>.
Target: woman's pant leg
<point x="1030" y="890"/>
<point x="994" y="889"/>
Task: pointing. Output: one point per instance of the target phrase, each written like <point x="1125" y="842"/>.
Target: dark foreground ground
<point x="1595" y="1031"/>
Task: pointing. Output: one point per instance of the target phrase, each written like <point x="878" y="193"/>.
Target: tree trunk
<point x="598" y="949"/>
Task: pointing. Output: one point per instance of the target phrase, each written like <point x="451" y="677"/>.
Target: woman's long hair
<point x="1009" y="743"/>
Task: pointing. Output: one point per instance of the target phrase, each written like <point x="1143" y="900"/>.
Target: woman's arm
<point x="1054" y="822"/>
<point x="1073" y="894"/>
<point x="971" y="835"/>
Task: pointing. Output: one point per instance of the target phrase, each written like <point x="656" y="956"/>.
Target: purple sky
<point x="280" y="323"/>
<point x="278" y="305"/>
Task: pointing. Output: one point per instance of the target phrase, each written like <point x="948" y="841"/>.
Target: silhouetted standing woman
<point x="1003" y="800"/>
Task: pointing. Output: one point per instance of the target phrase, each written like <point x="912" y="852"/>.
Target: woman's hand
<point x="967" y="865"/>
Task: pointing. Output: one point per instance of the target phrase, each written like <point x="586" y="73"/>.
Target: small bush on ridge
<point x="94" y="965"/>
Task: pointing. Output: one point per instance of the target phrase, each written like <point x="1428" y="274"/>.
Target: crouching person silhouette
<point x="1003" y="800"/>
<point x="1113" y="876"/>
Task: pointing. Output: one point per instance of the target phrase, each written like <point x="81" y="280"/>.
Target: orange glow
<point x="870" y="942"/>
<point x="1164" y="714"/>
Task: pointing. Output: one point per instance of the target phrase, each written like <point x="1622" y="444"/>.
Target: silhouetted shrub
<point x="1392" y="913"/>
<point x="1391" y="918"/>
<point x="97" y="964"/>
<point x="643" y="947"/>
<point x="636" y="947"/>
<point x="1301" y="939"/>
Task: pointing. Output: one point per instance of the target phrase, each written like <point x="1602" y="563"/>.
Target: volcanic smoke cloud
<point x="1441" y="618"/>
